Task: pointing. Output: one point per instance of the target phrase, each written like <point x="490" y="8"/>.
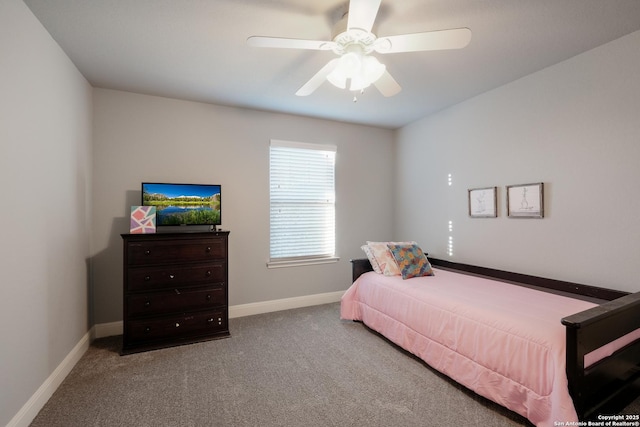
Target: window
<point x="302" y="203"/>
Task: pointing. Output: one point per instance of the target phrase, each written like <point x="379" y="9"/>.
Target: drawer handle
<point x="147" y="252"/>
<point x="212" y="320"/>
<point x="171" y="276"/>
<point x="177" y="292"/>
<point x="147" y="303"/>
<point x="208" y="249"/>
<point x="177" y="325"/>
<point x="147" y="278"/>
<point x="208" y="297"/>
<point x="208" y="274"/>
<point x="147" y="330"/>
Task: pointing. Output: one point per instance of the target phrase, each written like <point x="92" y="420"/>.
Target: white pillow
<point x="372" y="259"/>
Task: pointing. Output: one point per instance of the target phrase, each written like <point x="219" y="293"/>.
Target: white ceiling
<point x="196" y="50"/>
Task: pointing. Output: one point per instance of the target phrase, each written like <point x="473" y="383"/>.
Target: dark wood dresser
<point x="175" y="289"/>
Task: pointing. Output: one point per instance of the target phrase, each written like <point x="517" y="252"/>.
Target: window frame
<point x="290" y="261"/>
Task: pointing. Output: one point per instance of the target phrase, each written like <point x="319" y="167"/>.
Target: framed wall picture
<point x="483" y="202"/>
<point x="525" y="200"/>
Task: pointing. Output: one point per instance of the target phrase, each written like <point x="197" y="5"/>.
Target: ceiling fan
<point x="354" y="42"/>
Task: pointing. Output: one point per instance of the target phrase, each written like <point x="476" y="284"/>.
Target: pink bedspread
<point x="504" y="342"/>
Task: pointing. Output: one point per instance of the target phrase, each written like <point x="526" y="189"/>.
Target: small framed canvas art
<point x="525" y="200"/>
<point x="483" y="202"/>
<point x="143" y="220"/>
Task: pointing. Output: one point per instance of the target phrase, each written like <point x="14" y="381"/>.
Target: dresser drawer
<point x="179" y="326"/>
<point x="175" y="301"/>
<point x="175" y="251"/>
<point x="172" y="276"/>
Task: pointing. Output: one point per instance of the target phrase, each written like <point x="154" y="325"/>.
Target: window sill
<point x="302" y="262"/>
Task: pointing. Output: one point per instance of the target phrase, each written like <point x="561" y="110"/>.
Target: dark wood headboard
<point x="359" y="266"/>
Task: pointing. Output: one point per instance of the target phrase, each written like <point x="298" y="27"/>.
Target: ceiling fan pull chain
<point x="355" y="98"/>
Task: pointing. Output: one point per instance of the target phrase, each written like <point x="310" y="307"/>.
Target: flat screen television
<point x="184" y="204"/>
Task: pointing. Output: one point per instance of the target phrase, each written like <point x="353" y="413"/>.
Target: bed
<point x="573" y="351"/>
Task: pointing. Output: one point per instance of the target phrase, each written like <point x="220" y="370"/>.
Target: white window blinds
<point x="302" y="201"/>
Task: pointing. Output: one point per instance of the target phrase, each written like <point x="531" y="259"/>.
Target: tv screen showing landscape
<point x="183" y="204"/>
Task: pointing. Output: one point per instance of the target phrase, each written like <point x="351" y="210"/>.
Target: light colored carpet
<point x="302" y="367"/>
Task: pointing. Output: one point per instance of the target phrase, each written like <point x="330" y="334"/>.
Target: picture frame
<point x="483" y="202"/>
<point x="525" y="200"/>
<point x="143" y="220"/>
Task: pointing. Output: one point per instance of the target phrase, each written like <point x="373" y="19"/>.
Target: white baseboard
<point x="283" y="304"/>
<point x="115" y="328"/>
<point x="29" y="410"/>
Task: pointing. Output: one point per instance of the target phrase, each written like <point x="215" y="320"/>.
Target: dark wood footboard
<point x="612" y="383"/>
<point x="606" y="386"/>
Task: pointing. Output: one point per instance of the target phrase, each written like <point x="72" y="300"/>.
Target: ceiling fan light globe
<point x="370" y="72"/>
<point x="372" y="69"/>
<point x="350" y="64"/>
<point x="359" y="83"/>
<point x="337" y="78"/>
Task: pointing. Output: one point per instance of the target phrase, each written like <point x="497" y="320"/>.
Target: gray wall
<point x="45" y="170"/>
<point x="573" y="126"/>
<point x="144" y="138"/>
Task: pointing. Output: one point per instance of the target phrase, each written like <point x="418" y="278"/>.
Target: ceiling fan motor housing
<point x="344" y="37"/>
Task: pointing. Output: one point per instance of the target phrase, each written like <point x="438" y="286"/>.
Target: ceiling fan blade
<point x="279" y="42"/>
<point x="432" y="40"/>
<point x="319" y="78"/>
<point x="362" y="14"/>
<point x="387" y="85"/>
